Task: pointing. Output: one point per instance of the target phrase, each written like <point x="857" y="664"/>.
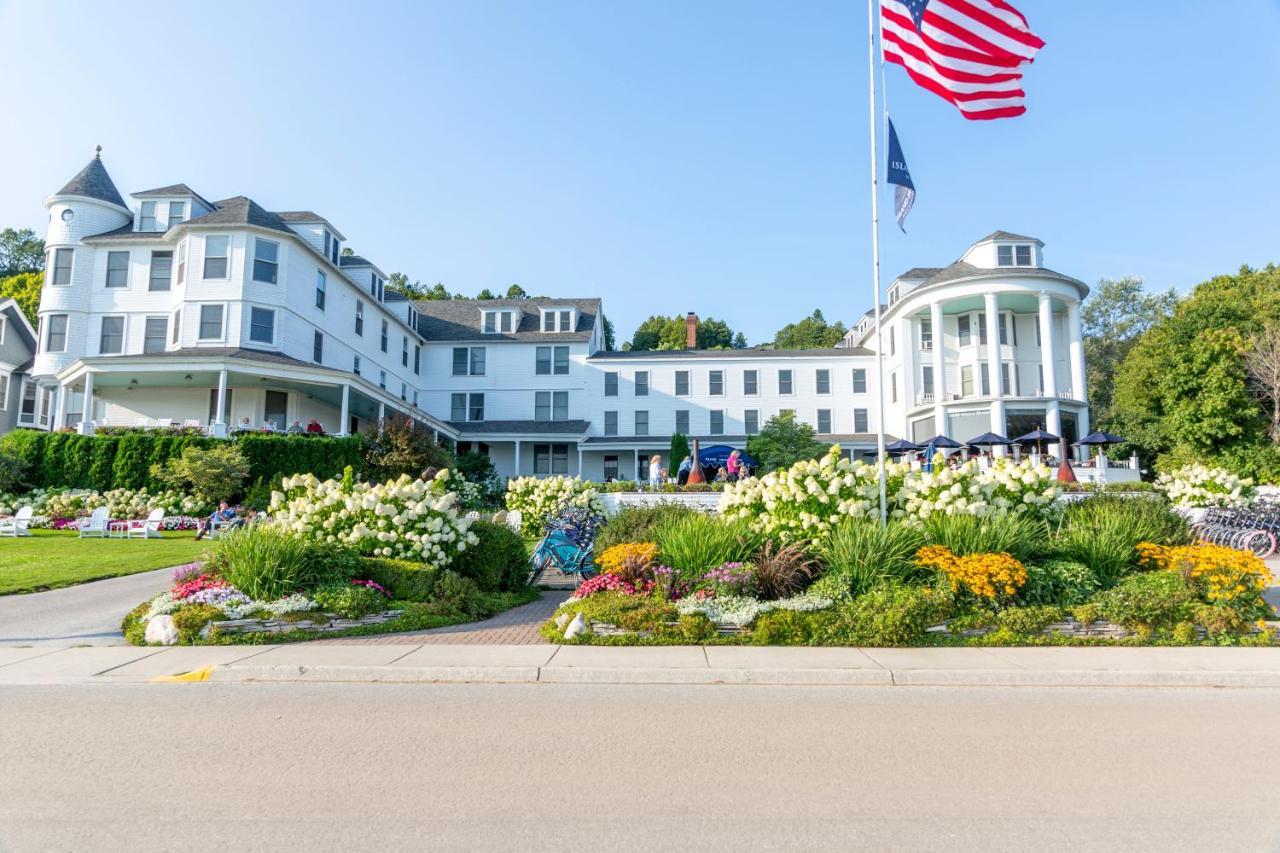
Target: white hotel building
<point x="173" y="309"/>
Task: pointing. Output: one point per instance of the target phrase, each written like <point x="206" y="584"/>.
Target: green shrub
<point x="1151" y="519"/>
<point x="697" y="543"/>
<point x="102" y="455"/>
<point x="211" y="474"/>
<point x="790" y="627"/>
<point x="638" y="524"/>
<point x="453" y="594"/>
<point x="1028" y="621"/>
<point x="406" y="580"/>
<point x="860" y="554"/>
<point x="1059" y="582"/>
<point x="499" y="562"/>
<point x="130" y="468"/>
<point x="1021" y="536"/>
<point x="191" y="620"/>
<point x="266" y="563"/>
<point x="889" y="615"/>
<point x="13" y="472"/>
<point x="1148" y="600"/>
<point x="349" y="600"/>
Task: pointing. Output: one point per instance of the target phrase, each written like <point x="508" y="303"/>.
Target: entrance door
<point x="276" y="409"/>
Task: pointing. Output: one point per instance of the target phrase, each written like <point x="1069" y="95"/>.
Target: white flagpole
<point x="875" y="260"/>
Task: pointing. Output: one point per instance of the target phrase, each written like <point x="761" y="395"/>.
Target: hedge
<point x="124" y="460"/>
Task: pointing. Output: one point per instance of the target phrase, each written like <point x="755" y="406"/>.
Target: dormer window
<point x="331" y="247"/>
<point x="413" y="319"/>
<point x="376" y="285"/>
<point x="147" y="218"/>
<point x="893" y="294"/>
<point x="177" y="212"/>
<point x="497" y="322"/>
<point x="557" y="320"/>
<point x="1013" y="255"/>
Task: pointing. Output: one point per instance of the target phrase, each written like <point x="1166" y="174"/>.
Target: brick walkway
<point x="518" y="626"/>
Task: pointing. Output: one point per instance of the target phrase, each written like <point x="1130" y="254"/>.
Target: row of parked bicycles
<point x="1252" y="529"/>
<point x="568" y="543"/>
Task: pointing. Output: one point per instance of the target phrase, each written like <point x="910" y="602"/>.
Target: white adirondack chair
<point x="514" y="519"/>
<point x="18" y="525"/>
<point x="473" y="515"/>
<point x="164" y="423"/>
<point x="142" y="422"/>
<point x="146" y="528"/>
<point x="95" y="524"/>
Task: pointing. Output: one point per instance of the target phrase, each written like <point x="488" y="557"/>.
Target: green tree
<point x="668" y="333"/>
<point x="609" y="340"/>
<point x="1115" y="315"/>
<point x="485" y="294"/>
<point x="813" y="332"/>
<point x="400" y="447"/>
<point x="515" y="291"/>
<point x="210" y="474"/>
<point x="783" y="442"/>
<point x="24" y="288"/>
<point x="20" y="251"/>
<point x="679" y="450"/>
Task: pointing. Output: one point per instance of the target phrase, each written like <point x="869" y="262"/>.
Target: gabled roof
<point x="920" y="272"/>
<point x="535" y="427"/>
<point x="301" y="216"/>
<point x="93" y="182"/>
<point x="1005" y="235"/>
<point x="241" y="210"/>
<point x="459" y="319"/>
<point x="18" y="322"/>
<point x="354" y="261"/>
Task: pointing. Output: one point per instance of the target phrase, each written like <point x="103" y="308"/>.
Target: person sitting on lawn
<point x="223" y="516"/>
<point x="314" y="427"/>
<point x="295" y="427"/>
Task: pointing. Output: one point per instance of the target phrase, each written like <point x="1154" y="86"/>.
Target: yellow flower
<point x="613" y="558"/>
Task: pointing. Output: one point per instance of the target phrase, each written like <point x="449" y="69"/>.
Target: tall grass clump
<point x="696" y="543"/>
<point x="265" y="563"/>
<point x="639" y="523"/>
<point x="1020" y="536"/>
<point x="860" y="554"/>
<point x="1103" y="533"/>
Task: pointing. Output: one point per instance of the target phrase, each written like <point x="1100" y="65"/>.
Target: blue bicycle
<point x="568" y="543"/>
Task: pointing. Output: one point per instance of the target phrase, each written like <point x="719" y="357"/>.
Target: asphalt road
<point x="542" y="767"/>
<point x="87" y="614"/>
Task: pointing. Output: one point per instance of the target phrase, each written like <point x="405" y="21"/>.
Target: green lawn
<point x="49" y="559"/>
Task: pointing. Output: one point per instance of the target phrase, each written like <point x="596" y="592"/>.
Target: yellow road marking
<point x="201" y="674"/>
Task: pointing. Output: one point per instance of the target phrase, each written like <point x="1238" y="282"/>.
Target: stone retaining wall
<point x="323" y="622"/>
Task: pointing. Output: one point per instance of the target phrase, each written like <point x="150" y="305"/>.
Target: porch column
<point x="517" y="458"/>
<point x="382" y="414"/>
<point x="939" y="370"/>
<point x="343" y="424"/>
<point x="636" y="477"/>
<point x="1082" y="421"/>
<point x="579" y="460"/>
<point x="994" y="374"/>
<point x="907" y="340"/>
<point x="219" y="424"/>
<point x="59" y="401"/>
<point x="1049" y="388"/>
<point x="1053" y="418"/>
<point x="86" y="420"/>
<point x="1075" y="350"/>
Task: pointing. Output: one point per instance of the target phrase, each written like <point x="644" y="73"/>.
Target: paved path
<point x="332" y="767"/>
<point x="87" y="614"/>
<point x="514" y="627"/>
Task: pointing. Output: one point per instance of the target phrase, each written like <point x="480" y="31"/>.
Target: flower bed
<point x="1194" y="486"/>
<point x="60" y="508"/>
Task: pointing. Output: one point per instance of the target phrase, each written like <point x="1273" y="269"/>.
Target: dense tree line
<point x="21" y="265"/>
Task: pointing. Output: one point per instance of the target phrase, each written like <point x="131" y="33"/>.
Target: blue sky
<point x="666" y="156"/>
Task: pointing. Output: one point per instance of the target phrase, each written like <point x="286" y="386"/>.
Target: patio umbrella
<point x="903" y="446"/>
<point x="717" y="455"/>
<point x="1037" y="435"/>
<point x="1101" y="438"/>
<point x="989" y="439"/>
<point x="941" y="441"/>
<point x="928" y="458"/>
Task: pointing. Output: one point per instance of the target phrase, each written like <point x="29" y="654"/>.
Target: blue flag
<point x="904" y="192"/>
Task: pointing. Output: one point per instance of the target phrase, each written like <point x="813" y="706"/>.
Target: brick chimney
<point x="691" y="331"/>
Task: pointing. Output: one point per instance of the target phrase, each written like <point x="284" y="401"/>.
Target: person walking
<point x="655" y="473"/>
<point x="733" y="467"/>
<point x="682" y="473"/>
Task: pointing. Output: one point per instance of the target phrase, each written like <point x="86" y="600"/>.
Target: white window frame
<point x="204" y="263"/>
<point x="175" y="330"/>
<point x="45" y="331"/>
<point x="169" y="220"/>
<point x="164" y="339"/>
<point x="559" y="322"/>
<point x="251" y="339"/>
<point x="143" y="217"/>
<point x="128" y="259"/>
<point x="180" y="267"/>
<point x="322" y="289"/>
<point x="151" y="265"/>
<point x="4" y="391"/>
<point x="22" y="396"/>
<point x="71" y="267"/>
<point x="124" y="332"/>
<point x="222" y="335"/>
<point x="253" y="272"/>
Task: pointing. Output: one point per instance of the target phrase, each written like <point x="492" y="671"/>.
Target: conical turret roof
<point x="93" y="182"/>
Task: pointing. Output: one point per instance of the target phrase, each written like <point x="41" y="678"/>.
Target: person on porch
<point x="314" y="427"/>
<point x="295" y="427"/>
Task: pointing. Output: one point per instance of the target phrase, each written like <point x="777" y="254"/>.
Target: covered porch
<point x="525" y="448"/>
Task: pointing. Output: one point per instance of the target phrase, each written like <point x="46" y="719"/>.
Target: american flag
<point x="970" y="52"/>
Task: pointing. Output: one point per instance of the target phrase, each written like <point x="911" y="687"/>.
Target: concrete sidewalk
<point x="1066" y="667"/>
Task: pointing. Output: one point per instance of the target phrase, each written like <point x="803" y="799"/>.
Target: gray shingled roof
<point x="301" y="216"/>
<point x="921" y="272"/>
<point x="18" y="322"/>
<point x="223" y="352"/>
<point x="1005" y="235"/>
<point x="93" y="182"/>
<point x="535" y="427"/>
<point x="241" y="210"/>
<point x="459" y="319"/>
<point x="664" y="440"/>
<point x="962" y="270"/>
<point x="354" y="261"/>
<point x="749" y="352"/>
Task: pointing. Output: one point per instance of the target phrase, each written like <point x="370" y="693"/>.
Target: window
<point x="557" y="321"/>
<point x="1013" y="328"/>
<point x="468" y="361"/>
<point x="982" y="328"/>
<point x="751" y="421"/>
<point x="824" y="421"/>
<point x="551" y="459"/>
<point x="355" y="365"/>
<point x="986" y="379"/>
<point x="475" y="407"/>
<point x="182" y="261"/>
<point x="554" y="406"/>
<point x="893" y="340"/>
<point x="1038" y="331"/>
<point x="62" y="265"/>
<point x="542" y="361"/>
<point x="317" y="348"/>
<point x="376" y="287"/>
<point x="860" y="420"/>
<point x="117" y="269"/>
<point x="262" y="325"/>
<point x="1005" y="386"/>
<point x="112" y="340"/>
<point x="458" y="407"/>
<point x="215" y="257"/>
<point x="417" y="359"/>
<point x="404" y="351"/>
<point x="275" y="408"/>
<point x="561" y="365"/>
<point x="611" y="384"/>
<point x="4" y="391"/>
<point x="147" y="218"/>
<point x="320" y="289"/>
<point x="926" y="379"/>
<point x="27" y="407"/>
<point x="55" y="336"/>
<point x="642" y="423"/>
<point x="682" y="421"/>
<point x="1004" y="333"/>
<point x="550" y="360"/>
<point x="642" y="383"/>
<point x="966" y="381"/>
<point x="784" y="381"/>
<point x="382" y="379"/>
<point x="155" y="330"/>
<point x="1004" y="256"/>
<point x="611" y="423"/>
<point x="360" y="318"/>
<point x="926" y="334"/>
<point x="477" y="361"/>
<point x="824" y="381"/>
<point x="717" y="422"/>
<point x="1013" y="256"/>
<point x="384" y="335"/>
<point x="963" y="332"/>
<point x="210" y="322"/>
<point x="859" y="380"/>
<point x="330" y="247"/>
<point x="177" y="212"/>
<point x="404" y="392"/>
<point x="893" y="387"/>
<point x="1040" y="374"/>
<point x="610" y="468"/>
<point x="1022" y="256"/>
<point x="751" y="382"/>
<point x="715" y="383"/>
<point x="161" y="276"/>
<point x="266" y="261"/>
<point x="177" y="327"/>
<point x="497" y="321"/>
<point x="682" y="383"/>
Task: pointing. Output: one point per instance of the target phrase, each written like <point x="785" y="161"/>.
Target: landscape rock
<point x="576" y="627"/>
<point x="161" y="630"/>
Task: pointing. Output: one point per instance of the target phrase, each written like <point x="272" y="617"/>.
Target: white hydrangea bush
<point x="120" y="503"/>
<point x="537" y="497"/>
<point x="406" y="518"/>
<point x="1005" y="488"/>
<point x="1199" y="485"/>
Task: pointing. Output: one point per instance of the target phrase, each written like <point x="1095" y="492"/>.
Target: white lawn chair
<point x="18" y="525"/>
<point x="95" y="524"/>
<point x="514" y="520"/>
<point x="142" y="422"/>
<point x="164" y="423"/>
<point x="192" y="422"/>
<point x="146" y="528"/>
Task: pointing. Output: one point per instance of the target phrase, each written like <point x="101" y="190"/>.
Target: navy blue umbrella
<point x="941" y="441"/>
<point x="928" y="458"/>
<point x="903" y="446"/>
<point x="1037" y="435"/>
<point x="989" y="439"/>
<point x="1101" y="438"/>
